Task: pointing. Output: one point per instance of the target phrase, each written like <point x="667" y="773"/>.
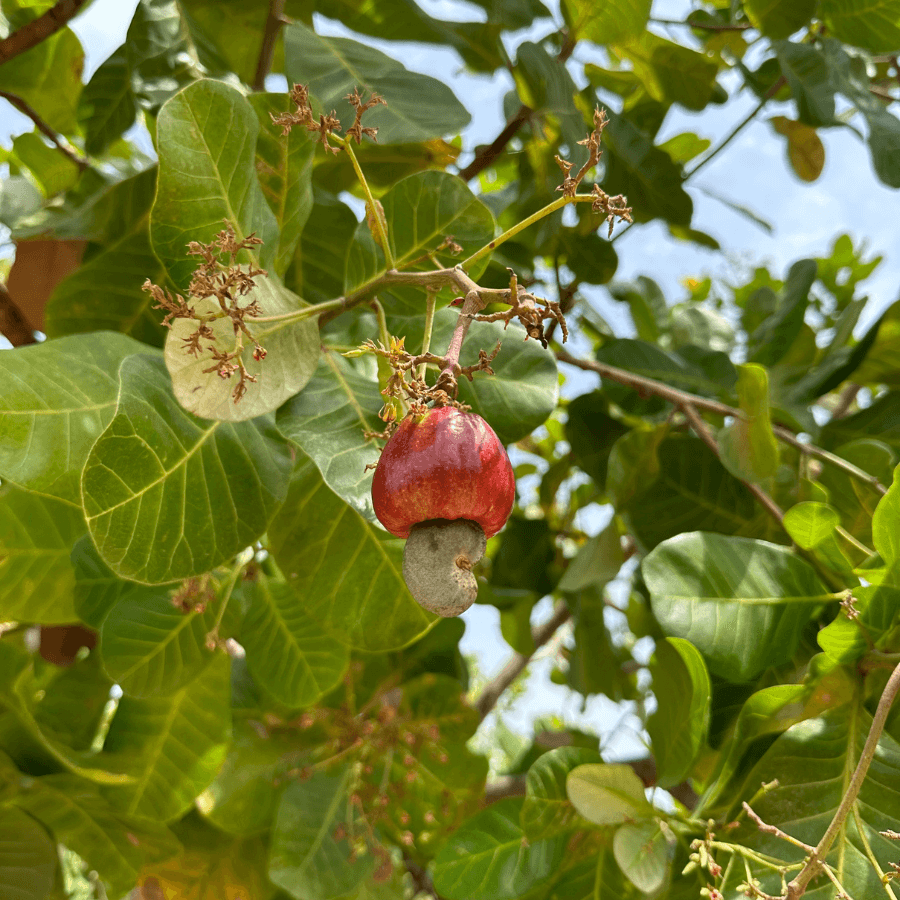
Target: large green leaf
<point x="874" y="27"/>
<point x="771" y="341"/>
<point x="489" y="857"/>
<point x="284" y="163"/>
<point x="172" y="747"/>
<point x="78" y="816"/>
<point x="36" y="537"/>
<point x="779" y="18"/>
<point x="288" y="652"/>
<point x="53" y="171"/>
<point x="107" y="106"/>
<point x="419" y="107"/>
<point x="58" y="389"/>
<point x="741" y="602"/>
<point x="610" y="23"/>
<point x="643" y="852"/>
<point x="547" y="810"/>
<point x="420" y="211"/>
<point x="328" y="420"/>
<point x="678" y="727"/>
<point x="597" y="562"/>
<point x="167" y="495"/>
<point x="27" y="857"/>
<point x="692" y="491"/>
<point x="881" y="420"/>
<point x="607" y="794"/>
<point x="810" y="765"/>
<point x="809" y="78"/>
<point x="152" y="648"/>
<point x="305" y="857"/>
<point x="345" y="570"/>
<point x="207" y="173"/>
<point x="104" y="293"/>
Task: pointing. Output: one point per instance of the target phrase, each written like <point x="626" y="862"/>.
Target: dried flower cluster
<point x="329" y="124"/>
<point x="612" y="207"/>
<point x="219" y="275"/>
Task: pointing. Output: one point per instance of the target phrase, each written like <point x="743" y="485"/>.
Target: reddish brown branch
<point x="45" y="129"/>
<point x="39" y="29"/>
<point x="274" y="22"/>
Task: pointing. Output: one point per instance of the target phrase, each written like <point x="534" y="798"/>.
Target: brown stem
<point x="39" y="29"/>
<point x="706" y="26"/>
<point x="45" y="129"/>
<point x="13" y="324"/>
<point x="274" y="22"/>
<point x="845" y="400"/>
<point x="517" y="662"/>
<point x="813" y="864"/>
<point x="421" y="879"/>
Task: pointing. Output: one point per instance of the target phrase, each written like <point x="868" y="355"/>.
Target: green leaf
<point x="116" y="846"/>
<point x="420" y="211"/>
<point x="207" y="173"/>
<point x="27" y="857"/>
<point x="288" y="652"/>
<point x="525" y="553"/>
<point x="741" y="602"/>
<point x="811" y="762"/>
<point x="52" y="169"/>
<point x="242" y="799"/>
<point x="808" y="75"/>
<point x="48" y="78"/>
<point x="771" y="341"/>
<point x="881" y="420"/>
<point x="633" y="462"/>
<point x="670" y="72"/>
<point x="644" y="173"/>
<point x="150" y="647"/>
<point x="135" y="485"/>
<point x="305" y="857"/>
<point x="691" y="491"/>
<point x="812" y="526"/>
<point x="678" y="727"/>
<point x="857" y="22"/>
<point x="806" y="152"/>
<point x="489" y="858"/>
<point x="747" y="447"/>
<point x="886" y="523"/>
<point x="171" y="746"/>
<point x="418" y="107"/>
<point x="64" y="388"/>
<point x="644" y="855"/>
<point x="597" y="562"/>
<point x="36" y="577"/>
<point x="610" y="23"/>
<point x="547" y="810"/>
<point x="515" y="625"/>
<point x="607" y="794"/>
<point x="284" y="163"/>
<point x="779" y="18"/>
<point x="105" y="291"/>
<point x="328" y="419"/>
<point x="647" y="305"/>
<point x="107" y="105"/>
<point x="346" y="573"/>
<point x="592" y="433"/>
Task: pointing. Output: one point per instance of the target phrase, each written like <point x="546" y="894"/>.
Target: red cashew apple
<point x="445" y="483"/>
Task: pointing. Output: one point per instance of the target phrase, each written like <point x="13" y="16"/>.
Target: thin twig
<point x="679" y="398"/>
<point x="39" y="29"/>
<point x="46" y="130"/>
<point x="517" y="662"/>
<point x="13" y="324"/>
<point x="845" y="400"/>
<point x="274" y="22"/>
<point x="704" y="26"/>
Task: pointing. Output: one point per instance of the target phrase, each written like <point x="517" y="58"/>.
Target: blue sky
<point x="752" y="171"/>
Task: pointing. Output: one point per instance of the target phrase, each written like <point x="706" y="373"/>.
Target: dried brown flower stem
<point x="371" y="204"/>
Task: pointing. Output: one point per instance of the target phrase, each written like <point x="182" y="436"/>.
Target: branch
<point x="13" y="324"/>
<point x="517" y="662"/>
<point x="704" y="26"/>
<point x="484" y="156"/>
<point x="420" y="877"/>
<point x="45" y="129"/>
<point x="39" y="29"/>
<point x="274" y="22"/>
<point x="680" y="398"/>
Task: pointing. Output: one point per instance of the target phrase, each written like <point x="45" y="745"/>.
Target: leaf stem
<point x="430" y="305"/>
<point x="372" y="206"/>
<point x="296" y="315"/>
<point x="525" y="223"/>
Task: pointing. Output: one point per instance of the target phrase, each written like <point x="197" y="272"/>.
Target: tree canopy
<point x="214" y="682"/>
